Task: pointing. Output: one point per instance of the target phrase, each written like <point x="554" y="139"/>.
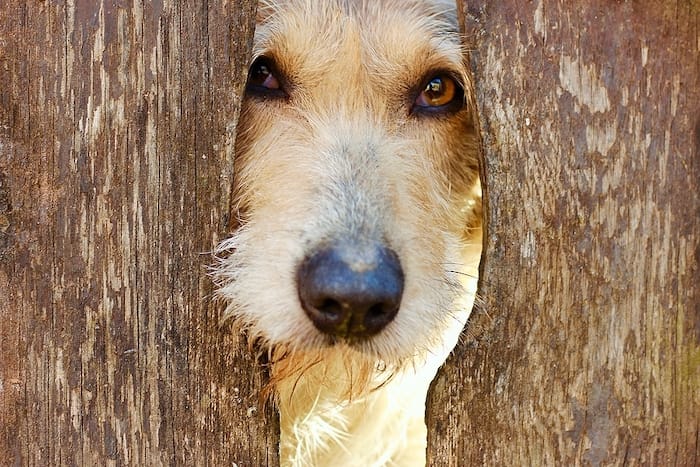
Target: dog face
<point x="355" y="178"/>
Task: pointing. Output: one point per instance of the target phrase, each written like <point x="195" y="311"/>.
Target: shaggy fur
<point x="341" y="150"/>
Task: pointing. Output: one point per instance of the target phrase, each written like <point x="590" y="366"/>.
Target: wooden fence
<point x="117" y="124"/>
<point x="587" y="350"/>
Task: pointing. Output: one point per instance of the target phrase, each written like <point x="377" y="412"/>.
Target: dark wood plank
<point x="117" y="126"/>
<point x="587" y="348"/>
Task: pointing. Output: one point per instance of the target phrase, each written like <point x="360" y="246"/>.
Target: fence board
<point x="117" y="125"/>
<point x="587" y="349"/>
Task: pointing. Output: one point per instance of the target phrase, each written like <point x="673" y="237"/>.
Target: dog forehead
<point x="369" y="10"/>
<point x="386" y="36"/>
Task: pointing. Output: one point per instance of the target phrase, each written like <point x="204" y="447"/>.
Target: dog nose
<point x="350" y="291"/>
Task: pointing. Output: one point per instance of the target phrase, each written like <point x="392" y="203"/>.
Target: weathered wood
<point x="117" y="125"/>
<point x="589" y="345"/>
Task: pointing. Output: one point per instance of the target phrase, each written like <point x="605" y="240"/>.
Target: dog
<point x="355" y="260"/>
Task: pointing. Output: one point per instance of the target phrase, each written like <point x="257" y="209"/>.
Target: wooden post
<point x="587" y="348"/>
<point x="117" y="125"/>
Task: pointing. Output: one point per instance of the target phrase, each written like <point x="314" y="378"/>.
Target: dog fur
<point x="341" y="150"/>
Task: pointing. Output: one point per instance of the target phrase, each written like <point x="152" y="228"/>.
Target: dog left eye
<point x="439" y="91"/>
<point x="261" y="76"/>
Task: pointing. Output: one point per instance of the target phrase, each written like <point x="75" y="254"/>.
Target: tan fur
<point x="343" y="155"/>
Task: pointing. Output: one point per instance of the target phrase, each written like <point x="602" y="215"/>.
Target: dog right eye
<point x="440" y="94"/>
<point x="262" y="79"/>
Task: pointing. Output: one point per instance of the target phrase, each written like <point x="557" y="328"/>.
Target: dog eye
<point x="261" y="77"/>
<point x="439" y="92"/>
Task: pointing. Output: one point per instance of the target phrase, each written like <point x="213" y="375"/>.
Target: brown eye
<point x="439" y="91"/>
<point x="261" y="77"/>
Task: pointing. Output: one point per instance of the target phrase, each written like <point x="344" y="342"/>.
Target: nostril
<point x="331" y="308"/>
<point x="348" y="290"/>
<point x="380" y="313"/>
<point x="380" y="310"/>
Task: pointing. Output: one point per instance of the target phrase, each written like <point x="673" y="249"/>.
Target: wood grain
<point x="587" y="346"/>
<point x="117" y="125"/>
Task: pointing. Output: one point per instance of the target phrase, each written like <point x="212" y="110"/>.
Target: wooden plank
<point x="587" y="348"/>
<point x="117" y="126"/>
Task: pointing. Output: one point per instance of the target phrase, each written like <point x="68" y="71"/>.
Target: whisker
<point x="462" y="273"/>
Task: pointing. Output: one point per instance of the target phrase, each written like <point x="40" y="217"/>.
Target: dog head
<point x="355" y="178"/>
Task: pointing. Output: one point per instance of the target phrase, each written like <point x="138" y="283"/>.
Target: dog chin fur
<point x="342" y="156"/>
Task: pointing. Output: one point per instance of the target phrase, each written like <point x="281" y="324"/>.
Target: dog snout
<point x="351" y="291"/>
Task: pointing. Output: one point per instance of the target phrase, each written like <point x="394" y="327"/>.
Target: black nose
<point x="350" y="290"/>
